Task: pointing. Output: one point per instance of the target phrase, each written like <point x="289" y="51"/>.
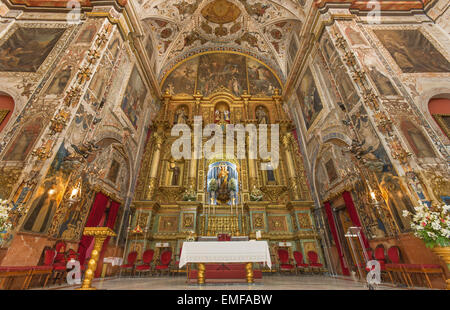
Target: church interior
<point x="354" y="97"/>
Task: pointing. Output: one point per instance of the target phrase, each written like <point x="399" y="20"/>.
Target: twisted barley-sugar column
<point x="249" y="269"/>
<point x="99" y="234"/>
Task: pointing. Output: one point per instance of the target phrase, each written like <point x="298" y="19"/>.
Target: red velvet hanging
<point x="335" y="236"/>
<point x="111" y="220"/>
<point x="96" y="214"/>
<point x="353" y="214"/>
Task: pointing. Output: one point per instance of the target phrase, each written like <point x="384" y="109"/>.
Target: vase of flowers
<point x="5" y="223"/>
<point x="432" y="225"/>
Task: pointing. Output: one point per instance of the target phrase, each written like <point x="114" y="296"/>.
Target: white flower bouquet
<point x="431" y="224"/>
<point x="5" y="223"/>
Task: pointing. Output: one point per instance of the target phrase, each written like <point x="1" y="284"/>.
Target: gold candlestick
<point x="99" y="234"/>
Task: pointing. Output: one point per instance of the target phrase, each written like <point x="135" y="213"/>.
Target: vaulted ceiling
<point x="260" y="28"/>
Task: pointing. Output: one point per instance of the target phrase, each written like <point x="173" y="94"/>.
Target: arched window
<point x="6" y="110"/>
<point x="440" y="110"/>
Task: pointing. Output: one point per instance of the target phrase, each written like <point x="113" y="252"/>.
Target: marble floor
<point x="272" y="282"/>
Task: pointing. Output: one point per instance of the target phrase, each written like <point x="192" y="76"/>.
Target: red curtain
<point x="353" y="214"/>
<point x="111" y="220"/>
<point x="335" y="236"/>
<point x="97" y="210"/>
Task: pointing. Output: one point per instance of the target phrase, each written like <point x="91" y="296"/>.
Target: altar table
<point x="225" y="252"/>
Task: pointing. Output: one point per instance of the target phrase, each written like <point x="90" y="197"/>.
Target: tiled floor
<point x="273" y="282"/>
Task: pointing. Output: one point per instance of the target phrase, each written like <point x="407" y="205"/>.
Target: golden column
<point x="154" y="167"/>
<point x="287" y="140"/>
<point x="99" y="234"/>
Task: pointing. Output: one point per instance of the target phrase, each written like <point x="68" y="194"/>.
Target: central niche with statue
<point x="222" y="180"/>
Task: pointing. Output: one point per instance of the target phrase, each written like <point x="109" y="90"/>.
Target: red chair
<point x="314" y="261"/>
<point x="164" y="262"/>
<point x="285" y="262"/>
<point x="395" y="266"/>
<point x="176" y="264"/>
<point x="299" y="263"/>
<point x="60" y="262"/>
<point x="147" y="258"/>
<point x="130" y="263"/>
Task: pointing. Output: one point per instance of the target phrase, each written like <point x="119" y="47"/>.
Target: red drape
<point x="335" y="236"/>
<point x="353" y="214"/>
<point x="97" y="210"/>
<point x="111" y="220"/>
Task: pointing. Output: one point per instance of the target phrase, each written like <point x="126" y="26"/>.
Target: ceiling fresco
<point x="259" y="28"/>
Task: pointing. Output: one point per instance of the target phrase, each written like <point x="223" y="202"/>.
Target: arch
<point x="212" y="70"/>
<point x="439" y="109"/>
<point x="6" y="109"/>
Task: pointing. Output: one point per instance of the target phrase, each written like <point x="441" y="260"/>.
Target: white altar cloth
<point x="225" y="252"/>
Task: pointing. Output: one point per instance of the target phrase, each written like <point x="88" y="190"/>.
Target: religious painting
<point x="354" y="36"/>
<point x="87" y="34"/>
<point x="277" y="223"/>
<point x="182" y="79"/>
<point x="393" y="192"/>
<point x="374" y="152"/>
<point x="133" y="100"/>
<point x="49" y="194"/>
<point x="443" y="121"/>
<point x="114" y="47"/>
<point x="309" y="99"/>
<point x="304" y="220"/>
<point x="59" y="81"/>
<point x="113" y="171"/>
<point x="218" y="70"/>
<point x="168" y="224"/>
<point x="100" y="79"/>
<point x="343" y="82"/>
<point x="331" y="171"/>
<point x="261" y="80"/>
<point x="293" y="48"/>
<point x="24" y="141"/>
<point x="382" y="82"/>
<point x="149" y="47"/>
<point x="3" y="114"/>
<point x="188" y="221"/>
<point x="258" y="221"/>
<point x="27" y="48"/>
<point x="412" y="51"/>
<point x="419" y="144"/>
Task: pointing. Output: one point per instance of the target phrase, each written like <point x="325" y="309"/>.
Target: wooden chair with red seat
<point x="60" y="262"/>
<point x="424" y="269"/>
<point x="45" y="266"/>
<point x="380" y="256"/>
<point x="176" y="264"/>
<point x="299" y="263"/>
<point x="313" y="259"/>
<point x="10" y="273"/>
<point x="164" y="262"/>
<point x="284" y="261"/>
<point x="146" y="266"/>
<point x="129" y="266"/>
<point x="395" y="266"/>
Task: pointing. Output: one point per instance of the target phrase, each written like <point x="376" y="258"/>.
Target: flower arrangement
<point x="212" y="185"/>
<point x="5" y="223"/>
<point x="431" y="224"/>
<point x="232" y="184"/>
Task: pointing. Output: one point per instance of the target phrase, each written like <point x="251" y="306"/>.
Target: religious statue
<point x="223" y="192"/>
<point x="190" y="194"/>
<point x="175" y="173"/>
<point x="256" y="194"/>
<point x="180" y="116"/>
<point x="261" y="115"/>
